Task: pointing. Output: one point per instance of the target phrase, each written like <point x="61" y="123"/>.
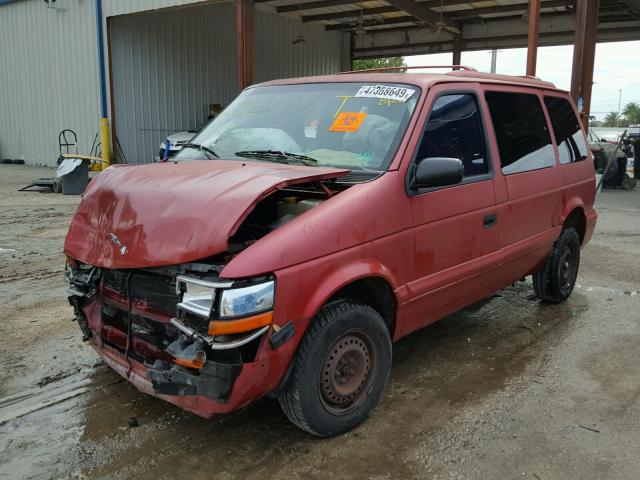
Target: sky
<point x="617" y="67"/>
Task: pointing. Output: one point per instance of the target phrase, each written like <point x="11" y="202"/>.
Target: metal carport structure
<point x="161" y="57"/>
<point x="383" y="28"/>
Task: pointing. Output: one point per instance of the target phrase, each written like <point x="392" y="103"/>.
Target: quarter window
<point x="455" y="130"/>
<point x="566" y="127"/>
<point x="521" y="131"/>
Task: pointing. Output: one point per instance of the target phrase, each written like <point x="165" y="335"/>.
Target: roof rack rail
<point x="386" y="69"/>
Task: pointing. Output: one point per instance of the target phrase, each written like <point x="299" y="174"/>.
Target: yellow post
<point x="106" y="143"/>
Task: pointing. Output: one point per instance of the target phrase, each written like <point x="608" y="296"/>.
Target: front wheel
<point x="340" y="370"/>
<point x="555" y="281"/>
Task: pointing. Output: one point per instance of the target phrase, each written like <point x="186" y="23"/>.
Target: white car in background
<point x="610" y="135"/>
<point x="177" y="140"/>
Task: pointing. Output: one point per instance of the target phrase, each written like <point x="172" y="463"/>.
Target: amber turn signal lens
<point x="197" y="361"/>
<point x="226" y="327"/>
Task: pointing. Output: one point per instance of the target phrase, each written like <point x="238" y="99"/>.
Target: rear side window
<point x="521" y="132"/>
<point x="566" y="127"/>
<point x="455" y="130"/>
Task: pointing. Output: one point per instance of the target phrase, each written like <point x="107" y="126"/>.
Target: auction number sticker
<point x="401" y="94"/>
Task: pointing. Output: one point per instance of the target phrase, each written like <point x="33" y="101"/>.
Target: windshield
<point x="349" y="125"/>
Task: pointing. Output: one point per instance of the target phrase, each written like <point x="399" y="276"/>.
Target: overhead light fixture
<point x="360" y="30"/>
<point x="300" y="40"/>
<point x="443" y="25"/>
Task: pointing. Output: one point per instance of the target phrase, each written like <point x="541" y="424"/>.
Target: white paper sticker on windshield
<point x="401" y="94"/>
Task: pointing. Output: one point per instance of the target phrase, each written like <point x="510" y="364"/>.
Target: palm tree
<point x="612" y="119"/>
<point x="632" y="113"/>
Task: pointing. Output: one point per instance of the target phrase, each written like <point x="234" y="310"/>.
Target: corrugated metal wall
<point x="169" y="66"/>
<point x="48" y="78"/>
<point x="164" y="66"/>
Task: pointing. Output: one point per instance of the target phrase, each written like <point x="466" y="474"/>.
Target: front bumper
<point x="218" y="388"/>
<point x="246" y="388"/>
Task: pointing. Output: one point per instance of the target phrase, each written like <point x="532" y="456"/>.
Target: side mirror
<point x="438" y="172"/>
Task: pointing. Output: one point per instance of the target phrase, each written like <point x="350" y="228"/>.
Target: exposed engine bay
<point x="277" y="210"/>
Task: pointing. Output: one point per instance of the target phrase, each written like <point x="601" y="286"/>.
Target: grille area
<point x="154" y="290"/>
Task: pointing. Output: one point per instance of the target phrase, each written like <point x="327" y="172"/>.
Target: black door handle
<point x="490" y="220"/>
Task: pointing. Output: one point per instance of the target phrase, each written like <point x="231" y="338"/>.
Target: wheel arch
<point x="368" y="282"/>
<point x="374" y="291"/>
<point x="575" y="216"/>
<point x="346" y="282"/>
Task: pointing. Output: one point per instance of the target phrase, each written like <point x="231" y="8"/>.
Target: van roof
<point x="425" y="80"/>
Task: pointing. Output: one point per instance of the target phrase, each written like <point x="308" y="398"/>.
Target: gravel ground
<point x="508" y="388"/>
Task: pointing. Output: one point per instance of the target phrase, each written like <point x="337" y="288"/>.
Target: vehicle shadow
<point x="436" y="372"/>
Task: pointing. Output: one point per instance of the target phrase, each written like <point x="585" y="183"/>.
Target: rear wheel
<point x="555" y="281"/>
<point x="340" y="370"/>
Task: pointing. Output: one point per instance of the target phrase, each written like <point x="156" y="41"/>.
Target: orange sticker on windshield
<point x="347" y="122"/>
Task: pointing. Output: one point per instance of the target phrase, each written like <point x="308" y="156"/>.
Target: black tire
<point x="6" y="161"/>
<point x="18" y="161"/>
<point x="340" y="370"/>
<point x="555" y="281"/>
<point x="57" y="186"/>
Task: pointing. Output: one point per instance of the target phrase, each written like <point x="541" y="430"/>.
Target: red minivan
<point x="315" y="221"/>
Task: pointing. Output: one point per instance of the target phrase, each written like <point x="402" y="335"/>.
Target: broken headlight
<point x="240" y="302"/>
<point x="230" y="311"/>
<point x="198" y="295"/>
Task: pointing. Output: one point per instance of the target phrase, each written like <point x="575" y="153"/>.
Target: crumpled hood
<point x="175" y="212"/>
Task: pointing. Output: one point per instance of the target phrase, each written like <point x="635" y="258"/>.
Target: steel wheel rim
<point x="347" y="372"/>
<point x="567" y="272"/>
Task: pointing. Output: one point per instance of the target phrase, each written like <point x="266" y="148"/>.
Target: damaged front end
<point x="147" y="289"/>
<point x="190" y="330"/>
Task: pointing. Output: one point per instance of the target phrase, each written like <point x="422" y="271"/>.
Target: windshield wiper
<point x="201" y="147"/>
<point x="278" y="154"/>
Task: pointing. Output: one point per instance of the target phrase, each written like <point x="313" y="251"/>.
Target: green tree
<point x="612" y="119"/>
<point x="631" y="113"/>
<point x="369" y="63"/>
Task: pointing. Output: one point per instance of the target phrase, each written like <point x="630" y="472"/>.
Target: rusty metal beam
<point x="297" y="7"/>
<point x="349" y="14"/>
<point x="445" y="45"/>
<point x="245" y="11"/>
<point x="455" y="14"/>
<point x="372" y="23"/>
<point x="457" y="47"/>
<point x="516" y="7"/>
<point x="375" y="52"/>
<point x="584" y="53"/>
<point x="532" y="36"/>
<point x="417" y="10"/>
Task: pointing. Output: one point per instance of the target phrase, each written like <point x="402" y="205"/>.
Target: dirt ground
<point x="506" y="389"/>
